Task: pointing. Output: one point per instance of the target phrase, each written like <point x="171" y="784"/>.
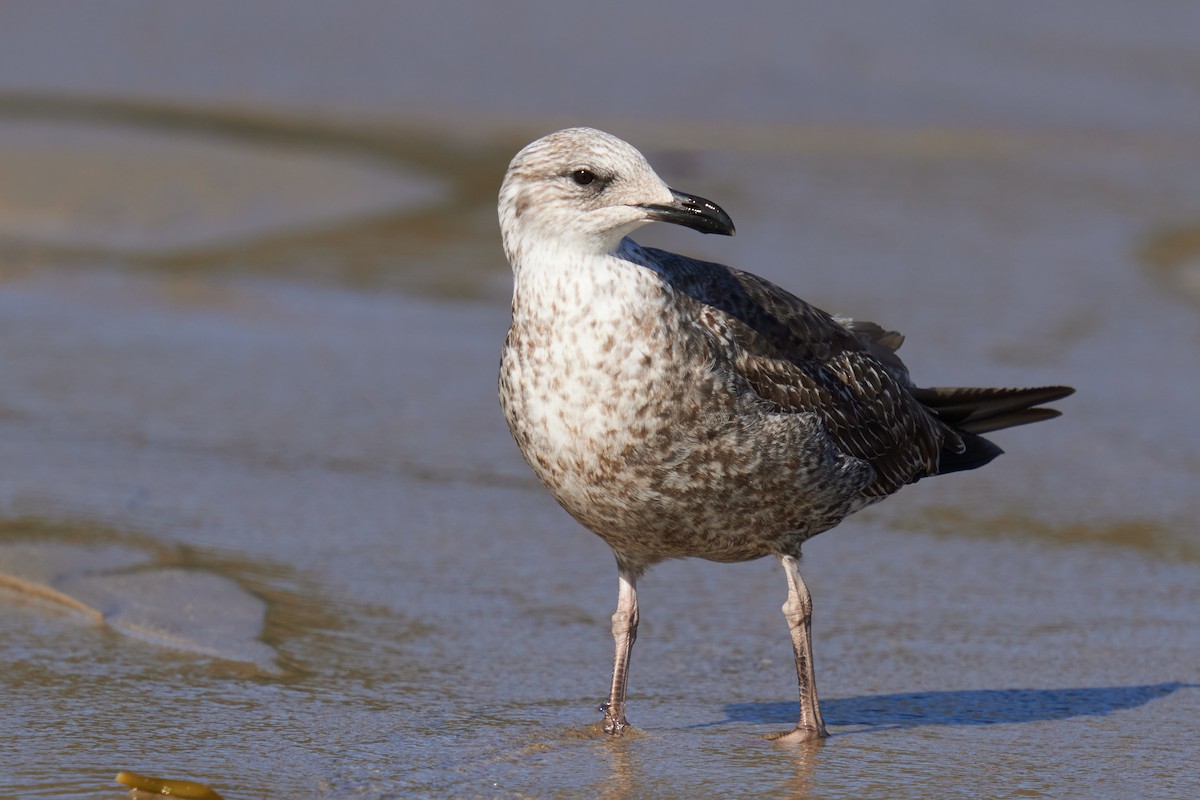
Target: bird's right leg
<point x="624" y="628"/>
<point x="798" y="611"/>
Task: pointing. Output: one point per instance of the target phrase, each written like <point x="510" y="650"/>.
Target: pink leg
<point x="798" y="611"/>
<point x="624" y="628"/>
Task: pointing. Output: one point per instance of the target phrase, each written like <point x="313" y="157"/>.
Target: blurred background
<point x="262" y="525"/>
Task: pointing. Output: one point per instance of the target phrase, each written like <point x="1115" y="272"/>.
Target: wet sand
<point x="262" y="526"/>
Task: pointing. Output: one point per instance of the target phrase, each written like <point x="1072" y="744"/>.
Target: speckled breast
<point x="636" y="433"/>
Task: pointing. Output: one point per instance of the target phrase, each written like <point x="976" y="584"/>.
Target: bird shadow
<point x="974" y="707"/>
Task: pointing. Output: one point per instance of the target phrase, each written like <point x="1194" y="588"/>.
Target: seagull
<point x="682" y="408"/>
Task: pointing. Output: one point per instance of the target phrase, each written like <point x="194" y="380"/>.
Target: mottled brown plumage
<point x="684" y="408"/>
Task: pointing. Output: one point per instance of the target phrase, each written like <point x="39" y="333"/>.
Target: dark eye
<point x="583" y="176"/>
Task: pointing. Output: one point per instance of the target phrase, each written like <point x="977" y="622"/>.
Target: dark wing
<point x="801" y="359"/>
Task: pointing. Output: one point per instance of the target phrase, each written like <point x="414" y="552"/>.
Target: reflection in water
<point x="622" y="777"/>
<point x="635" y="765"/>
<point x="804" y="758"/>
<point x="975" y="707"/>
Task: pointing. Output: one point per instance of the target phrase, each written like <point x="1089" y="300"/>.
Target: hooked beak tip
<point x="693" y="212"/>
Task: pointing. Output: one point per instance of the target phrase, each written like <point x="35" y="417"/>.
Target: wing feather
<point x="802" y="360"/>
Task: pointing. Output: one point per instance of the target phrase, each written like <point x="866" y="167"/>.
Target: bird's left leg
<point x="798" y="611"/>
<point x="624" y="628"/>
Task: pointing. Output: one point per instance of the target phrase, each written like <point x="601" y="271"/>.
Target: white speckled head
<point x="583" y="189"/>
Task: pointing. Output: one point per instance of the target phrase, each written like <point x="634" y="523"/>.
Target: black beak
<point x="693" y="212"/>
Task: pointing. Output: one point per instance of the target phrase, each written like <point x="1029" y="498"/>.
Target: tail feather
<point x="971" y="412"/>
<point x="962" y="408"/>
<point x="1009" y="419"/>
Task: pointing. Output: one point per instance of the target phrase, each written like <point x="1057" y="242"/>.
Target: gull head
<point x="584" y="189"/>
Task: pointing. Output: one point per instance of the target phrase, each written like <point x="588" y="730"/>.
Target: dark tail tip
<point x="971" y="412"/>
<point x="977" y="452"/>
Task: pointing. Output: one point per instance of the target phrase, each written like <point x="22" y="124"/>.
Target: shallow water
<point x="262" y="526"/>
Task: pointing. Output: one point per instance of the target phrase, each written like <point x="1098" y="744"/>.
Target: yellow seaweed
<point x="189" y="789"/>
